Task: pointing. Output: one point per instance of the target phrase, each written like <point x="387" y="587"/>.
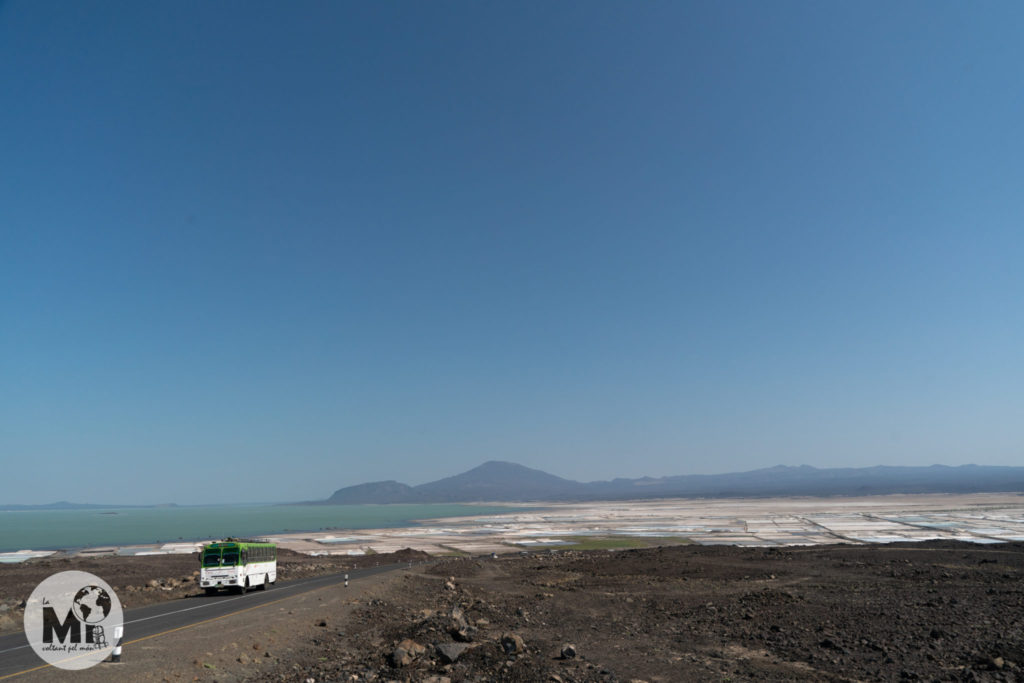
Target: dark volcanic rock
<point x="832" y="613"/>
<point x="450" y="652"/>
<point x="513" y="644"/>
<point x="459" y="628"/>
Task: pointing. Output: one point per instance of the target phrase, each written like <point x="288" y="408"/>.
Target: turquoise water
<point x="60" y="529"/>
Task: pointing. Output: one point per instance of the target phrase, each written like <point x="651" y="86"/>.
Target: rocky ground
<point x="145" y="579"/>
<point x="928" y="611"/>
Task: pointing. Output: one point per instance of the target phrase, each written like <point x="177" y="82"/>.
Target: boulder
<point x="410" y="645"/>
<point x="568" y="651"/>
<point x="513" y="644"/>
<point x="458" y="627"/>
<point x="450" y="652"/>
<point x="405" y="652"/>
<point x="401" y="657"/>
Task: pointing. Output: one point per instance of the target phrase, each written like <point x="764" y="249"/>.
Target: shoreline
<point x="755" y="522"/>
<point x="197" y="540"/>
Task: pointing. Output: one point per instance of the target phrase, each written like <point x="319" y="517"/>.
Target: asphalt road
<point x="17" y="657"/>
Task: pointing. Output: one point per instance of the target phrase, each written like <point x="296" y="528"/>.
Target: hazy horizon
<point x="262" y="251"/>
<point x="318" y="497"/>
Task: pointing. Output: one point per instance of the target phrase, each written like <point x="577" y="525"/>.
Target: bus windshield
<point x="230" y="558"/>
<point x="211" y="558"/>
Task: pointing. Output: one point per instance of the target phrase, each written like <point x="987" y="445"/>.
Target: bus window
<point x="211" y="558"/>
<point x="230" y="558"/>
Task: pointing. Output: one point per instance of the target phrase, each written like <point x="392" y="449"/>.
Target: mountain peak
<point x="504" y="467"/>
<point x="499" y="480"/>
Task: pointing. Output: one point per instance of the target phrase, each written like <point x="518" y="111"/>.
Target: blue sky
<point x="261" y="251"/>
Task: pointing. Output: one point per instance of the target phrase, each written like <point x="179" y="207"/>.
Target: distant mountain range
<point x="508" y="482"/>
<point x="64" y="505"/>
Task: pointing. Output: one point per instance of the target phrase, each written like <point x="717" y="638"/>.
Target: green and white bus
<point x="238" y="565"/>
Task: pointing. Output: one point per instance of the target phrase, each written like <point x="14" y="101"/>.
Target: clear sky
<point x="260" y="251"/>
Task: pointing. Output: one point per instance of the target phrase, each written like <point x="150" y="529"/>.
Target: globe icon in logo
<point x="91" y="605"/>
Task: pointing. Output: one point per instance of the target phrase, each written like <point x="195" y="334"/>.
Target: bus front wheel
<point x="210" y="590"/>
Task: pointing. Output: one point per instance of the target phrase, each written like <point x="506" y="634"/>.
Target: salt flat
<point x="980" y="518"/>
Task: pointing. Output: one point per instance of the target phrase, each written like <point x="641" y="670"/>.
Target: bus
<point x="237" y="565"/>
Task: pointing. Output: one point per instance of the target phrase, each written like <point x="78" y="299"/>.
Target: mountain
<point x="506" y="481"/>
<point x="65" y="505"/>
<point x="491" y="481"/>
<point x="375" y="492"/>
<point x="811" y="481"/>
<point x="496" y="480"/>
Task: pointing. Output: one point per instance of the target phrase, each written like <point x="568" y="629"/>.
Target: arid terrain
<point x="938" y="610"/>
<point x="929" y="611"/>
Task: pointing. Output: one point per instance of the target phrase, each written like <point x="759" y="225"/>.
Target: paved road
<point x="17" y="657"/>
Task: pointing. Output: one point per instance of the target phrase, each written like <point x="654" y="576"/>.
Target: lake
<point x="64" y="529"/>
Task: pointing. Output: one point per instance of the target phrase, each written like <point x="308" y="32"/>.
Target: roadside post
<point x="115" y="656"/>
<point x="346" y="580"/>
